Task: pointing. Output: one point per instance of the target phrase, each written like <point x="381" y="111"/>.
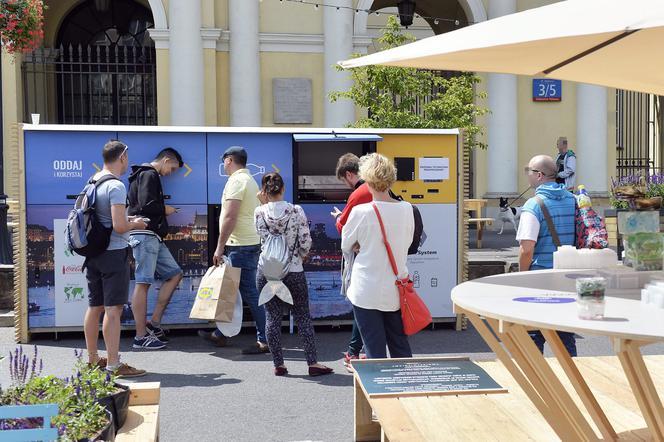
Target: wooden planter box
<point x="142" y="424"/>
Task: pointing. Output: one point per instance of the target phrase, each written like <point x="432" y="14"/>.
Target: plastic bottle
<point x="582" y="198"/>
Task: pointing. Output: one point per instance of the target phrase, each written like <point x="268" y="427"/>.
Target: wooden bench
<point x="481" y="224"/>
<point x="142" y="424"/>
<point x="501" y="417"/>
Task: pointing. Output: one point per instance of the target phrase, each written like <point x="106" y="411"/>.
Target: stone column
<point x="210" y="38"/>
<point x="338" y="44"/>
<point x="502" y="122"/>
<point x="592" y="139"/>
<point x="245" y="72"/>
<point x="186" y="63"/>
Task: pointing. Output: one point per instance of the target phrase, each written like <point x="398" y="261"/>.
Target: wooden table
<point x="490" y="304"/>
<point x="476" y="205"/>
<point x="500" y="417"/>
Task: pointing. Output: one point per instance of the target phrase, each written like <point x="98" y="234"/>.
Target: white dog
<point x="508" y="215"/>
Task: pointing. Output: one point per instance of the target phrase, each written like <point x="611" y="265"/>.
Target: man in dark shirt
<point x="146" y="200"/>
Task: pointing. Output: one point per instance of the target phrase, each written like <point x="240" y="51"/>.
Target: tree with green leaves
<point x="397" y="97"/>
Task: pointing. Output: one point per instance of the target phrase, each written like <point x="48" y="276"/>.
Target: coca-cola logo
<point x="66" y="270"/>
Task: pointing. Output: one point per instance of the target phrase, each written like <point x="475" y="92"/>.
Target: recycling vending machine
<point x="58" y="160"/>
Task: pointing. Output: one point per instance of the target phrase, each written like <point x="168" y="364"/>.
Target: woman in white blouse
<point x="372" y="291"/>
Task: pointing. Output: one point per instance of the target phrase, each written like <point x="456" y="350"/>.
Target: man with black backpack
<point x="146" y="200"/>
<point x="107" y="272"/>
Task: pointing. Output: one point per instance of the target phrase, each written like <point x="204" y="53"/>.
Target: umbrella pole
<point x="590" y="51"/>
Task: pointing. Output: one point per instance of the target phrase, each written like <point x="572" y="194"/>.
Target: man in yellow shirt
<point x="239" y="241"/>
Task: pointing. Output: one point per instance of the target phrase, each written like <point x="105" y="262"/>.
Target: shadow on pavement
<point x="173" y="380"/>
<point x="330" y="343"/>
<point x="330" y="380"/>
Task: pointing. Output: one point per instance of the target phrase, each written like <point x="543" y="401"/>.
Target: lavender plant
<point x="23" y="368"/>
<point x="653" y="185"/>
<point x="80" y="414"/>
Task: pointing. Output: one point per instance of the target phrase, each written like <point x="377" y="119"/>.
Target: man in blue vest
<point x="537" y="242"/>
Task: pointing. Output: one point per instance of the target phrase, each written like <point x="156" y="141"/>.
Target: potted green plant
<point x="633" y="193"/>
<point x="112" y="396"/>
<point x="636" y="192"/>
<point x="82" y="416"/>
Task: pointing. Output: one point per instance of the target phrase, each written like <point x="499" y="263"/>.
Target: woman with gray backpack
<point x="286" y="240"/>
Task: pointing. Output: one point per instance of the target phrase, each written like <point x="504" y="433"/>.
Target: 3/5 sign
<point x="545" y="89"/>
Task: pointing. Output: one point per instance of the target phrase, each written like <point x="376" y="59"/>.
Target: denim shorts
<point x="153" y="259"/>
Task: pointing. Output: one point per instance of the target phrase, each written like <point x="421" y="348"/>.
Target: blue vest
<point x="562" y="209"/>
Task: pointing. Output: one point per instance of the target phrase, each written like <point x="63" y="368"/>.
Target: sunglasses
<point x="527" y="170"/>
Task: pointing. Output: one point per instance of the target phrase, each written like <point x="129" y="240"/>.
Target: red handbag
<point x="414" y="312"/>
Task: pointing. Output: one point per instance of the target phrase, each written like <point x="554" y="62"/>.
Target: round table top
<point x="497" y="297"/>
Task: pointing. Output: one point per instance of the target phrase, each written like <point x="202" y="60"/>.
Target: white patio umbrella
<point x="615" y="43"/>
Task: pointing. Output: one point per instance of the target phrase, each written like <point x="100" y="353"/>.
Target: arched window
<point x="106" y="64"/>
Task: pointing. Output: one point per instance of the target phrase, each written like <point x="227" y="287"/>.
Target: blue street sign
<point x="545" y="89"/>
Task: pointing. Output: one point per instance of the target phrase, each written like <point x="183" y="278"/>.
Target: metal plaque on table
<point x="424" y="377"/>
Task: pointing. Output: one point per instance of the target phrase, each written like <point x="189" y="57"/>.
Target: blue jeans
<point x="568" y="340"/>
<point x="380" y="329"/>
<point x="246" y="258"/>
<point x="355" y="345"/>
<point x="152" y="258"/>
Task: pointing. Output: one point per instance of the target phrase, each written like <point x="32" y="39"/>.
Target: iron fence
<point x="91" y="85"/>
<point x="639" y="141"/>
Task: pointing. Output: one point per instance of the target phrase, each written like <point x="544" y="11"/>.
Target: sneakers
<point x="127" y="371"/>
<point x="256" y="349"/>
<point x="156" y="332"/>
<point x="218" y="341"/>
<point x="348" y="357"/>
<point x="148" y="342"/>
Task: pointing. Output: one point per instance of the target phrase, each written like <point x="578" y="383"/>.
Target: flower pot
<point x="654" y="203"/>
<point x="117" y="404"/>
<point x="106" y="434"/>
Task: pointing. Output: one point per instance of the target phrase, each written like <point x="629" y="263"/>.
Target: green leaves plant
<point x="398" y="97"/>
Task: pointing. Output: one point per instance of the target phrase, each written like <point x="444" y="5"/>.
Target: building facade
<point x="271" y="62"/>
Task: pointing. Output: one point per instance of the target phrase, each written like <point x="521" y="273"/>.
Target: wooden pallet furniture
<point x="481" y="223"/>
<point x="142" y="424"/>
<point x="504" y="417"/>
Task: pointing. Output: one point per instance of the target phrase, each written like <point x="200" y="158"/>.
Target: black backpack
<point x="419" y="226"/>
<point x="86" y="235"/>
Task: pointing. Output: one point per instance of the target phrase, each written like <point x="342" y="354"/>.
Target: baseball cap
<point x="237" y="152"/>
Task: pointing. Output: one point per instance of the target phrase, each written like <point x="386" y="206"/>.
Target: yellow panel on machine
<point x="426" y="166"/>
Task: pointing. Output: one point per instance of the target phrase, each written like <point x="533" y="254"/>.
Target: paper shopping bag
<point x="215" y="300"/>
